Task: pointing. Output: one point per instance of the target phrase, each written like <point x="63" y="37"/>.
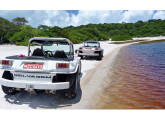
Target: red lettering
<point x="32" y="66"/>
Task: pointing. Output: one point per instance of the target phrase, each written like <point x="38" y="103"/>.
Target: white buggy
<point x="51" y="66"/>
<point x="91" y="49"/>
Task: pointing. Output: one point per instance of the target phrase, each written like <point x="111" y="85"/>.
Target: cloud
<point x="36" y="17"/>
<point x="63" y="18"/>
<point x="159" y="15"/>
<point x="11" y="14"/>
<point x="49" y="17"/>
<point x="96" y="16"/>
<point x="136" y="15"/>
<point x="57" y="18"/>
<point x="110" y="16"/>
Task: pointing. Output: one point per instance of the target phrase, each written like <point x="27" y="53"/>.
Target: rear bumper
<point x="88" y="54"/>
<point x="34" y="85"/>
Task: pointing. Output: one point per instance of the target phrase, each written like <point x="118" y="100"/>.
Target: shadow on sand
<point x="90" y="58"/>
<point x="43" y="100"/>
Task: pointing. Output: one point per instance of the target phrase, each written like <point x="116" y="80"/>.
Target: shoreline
<point x="141" y="40"/>
<point x="92" y="82"/>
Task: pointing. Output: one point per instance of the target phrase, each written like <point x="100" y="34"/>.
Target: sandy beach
<point x="91" y="80"/>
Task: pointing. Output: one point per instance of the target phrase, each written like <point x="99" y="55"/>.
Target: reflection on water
<point x="136" y="79"/>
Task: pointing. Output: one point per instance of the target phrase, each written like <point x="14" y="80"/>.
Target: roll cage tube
<point x="71" y="52"/>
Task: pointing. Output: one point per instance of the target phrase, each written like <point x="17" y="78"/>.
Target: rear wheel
<point x="99" y="57"/>
<point x="72" y="91"/>
<point x="80" y="69"/>
<point x="9" y="90"/>
<point x="80" y="56"/>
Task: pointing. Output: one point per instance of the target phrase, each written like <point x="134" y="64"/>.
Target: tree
<point x="64" y="33"/>
<point x="56" y="30"/>
<point x="22" y="37"/>
<point x="19" y="33"/>
<point x="43" y="27"/>
<point x="19" y="21"/>
<point x="7" y="29"/>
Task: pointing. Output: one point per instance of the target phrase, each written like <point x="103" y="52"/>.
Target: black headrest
<point x="60" y="54"/>
<point x="38" y="52"/>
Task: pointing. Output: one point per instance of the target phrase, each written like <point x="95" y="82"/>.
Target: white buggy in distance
<point x="50" y="67"/>
<point x="90" y="49"/>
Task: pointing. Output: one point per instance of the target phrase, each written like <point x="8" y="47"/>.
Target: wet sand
<point x="92" y="83"/>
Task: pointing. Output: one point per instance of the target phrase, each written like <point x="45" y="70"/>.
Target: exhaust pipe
<point x="30" y="89"/>
<point x="50" y="91"/>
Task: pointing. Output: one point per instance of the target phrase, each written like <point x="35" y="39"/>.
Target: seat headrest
<point x="60" y="54"/>
<point x="38" y="52"/>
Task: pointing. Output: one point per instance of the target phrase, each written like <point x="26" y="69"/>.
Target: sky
<point x="64" y="18"/>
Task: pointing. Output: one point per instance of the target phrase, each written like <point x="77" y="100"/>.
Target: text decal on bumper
<point x="32" y="66"/>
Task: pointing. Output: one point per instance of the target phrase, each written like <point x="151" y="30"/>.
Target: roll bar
<point x="50" y="39"/>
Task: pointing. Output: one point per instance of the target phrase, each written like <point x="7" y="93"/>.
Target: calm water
<point x="136" y="79"/>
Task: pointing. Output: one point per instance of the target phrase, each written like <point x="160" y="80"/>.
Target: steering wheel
<point x="48" y="53"/>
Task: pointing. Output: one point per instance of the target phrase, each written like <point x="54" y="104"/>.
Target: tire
<point x="102" y="55"/>
<point x="80" y="68"/>
<point x="80" y="56"/>
<point x="99" y="57"/>
<point x="9" y="90"/>
<point x="72" y="91"/>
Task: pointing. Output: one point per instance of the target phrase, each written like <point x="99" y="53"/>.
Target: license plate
<point x="32" y="66"/>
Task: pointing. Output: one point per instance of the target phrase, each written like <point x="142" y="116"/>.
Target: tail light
<point x="96" y="48"/>
<point x="62" y="65"/>
<point x="80" y="48"/>
<point x="6" y="62"/>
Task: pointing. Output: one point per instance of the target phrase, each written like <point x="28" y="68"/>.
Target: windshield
<point x="91" y="44"/>
<point x="56" y="46"/>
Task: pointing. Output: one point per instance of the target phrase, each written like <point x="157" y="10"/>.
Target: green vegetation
<point x="17" y="32"/>
<point x="26" y="32"/>
<point x="19" y="21"/>
<point x="121" y="38"/>
<point x="7" y="30"/>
